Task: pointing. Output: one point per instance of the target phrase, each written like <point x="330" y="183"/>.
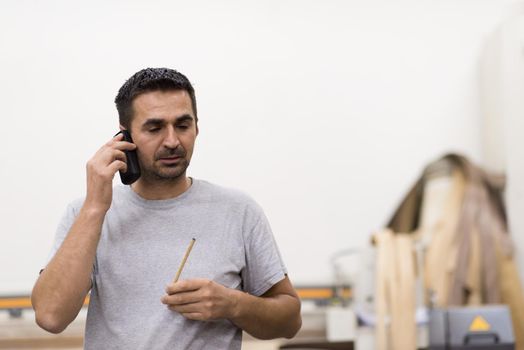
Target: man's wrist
<point x="91" y="211"/>
<point x="236" y="299"/>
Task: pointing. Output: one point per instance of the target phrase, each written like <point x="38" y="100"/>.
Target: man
<point x="125" y="243"/>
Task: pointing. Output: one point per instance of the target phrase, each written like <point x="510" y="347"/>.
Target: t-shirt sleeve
<point x="68" y="218"/>
<point x="65" y="224"/>
<point x="264" y="264"/>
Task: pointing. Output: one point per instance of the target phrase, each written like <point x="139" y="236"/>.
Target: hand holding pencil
<point x="198" y="299"/>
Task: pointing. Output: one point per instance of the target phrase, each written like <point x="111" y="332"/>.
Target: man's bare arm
<point x="60" y="290"/>
<point x="273" y="315"/>
<point x="276" y="314"/>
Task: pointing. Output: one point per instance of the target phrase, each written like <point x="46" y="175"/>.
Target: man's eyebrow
<point x="153" y="121"/>
<point x="160" y="121"/>
<point x="184" y="118"/>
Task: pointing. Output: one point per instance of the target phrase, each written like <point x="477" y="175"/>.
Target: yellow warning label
<point x="479" y="324"/>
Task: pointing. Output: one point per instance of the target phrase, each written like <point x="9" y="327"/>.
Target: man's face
<point x="164" y="130"/>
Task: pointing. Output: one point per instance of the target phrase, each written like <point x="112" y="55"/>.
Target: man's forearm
<point x="60" y="290"/>
<point x="268" y="317"/>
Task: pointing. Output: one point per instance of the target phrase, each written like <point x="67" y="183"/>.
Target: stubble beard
<point x="165" y="173"/>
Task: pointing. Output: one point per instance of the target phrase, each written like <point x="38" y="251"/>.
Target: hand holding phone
<point x="133" y="168"/>
<point x="113" y="156"/>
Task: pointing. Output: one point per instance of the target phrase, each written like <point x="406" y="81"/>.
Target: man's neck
<point x="156" y="190"/>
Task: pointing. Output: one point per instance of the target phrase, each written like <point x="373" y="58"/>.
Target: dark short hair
<point x="147" y="80"/>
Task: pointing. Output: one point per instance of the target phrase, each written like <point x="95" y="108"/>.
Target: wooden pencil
<point x="188" y="250"/>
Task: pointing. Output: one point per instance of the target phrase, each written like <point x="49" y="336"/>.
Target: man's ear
<point x="196" y="129"/>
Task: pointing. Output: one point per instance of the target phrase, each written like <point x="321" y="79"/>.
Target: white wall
<point x="503" y="122"/>
<point x="324" y="111"/>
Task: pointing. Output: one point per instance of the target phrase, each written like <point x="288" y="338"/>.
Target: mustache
<point x="171" y="152"/>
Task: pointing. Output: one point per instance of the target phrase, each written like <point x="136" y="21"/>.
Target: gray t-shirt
<point x="141" y="247"/>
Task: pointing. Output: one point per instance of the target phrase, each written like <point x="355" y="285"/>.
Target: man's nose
<point x="171" y="139"/>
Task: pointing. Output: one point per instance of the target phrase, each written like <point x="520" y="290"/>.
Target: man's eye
<point x="154" y="130"/>
<point x="183" y="127"/>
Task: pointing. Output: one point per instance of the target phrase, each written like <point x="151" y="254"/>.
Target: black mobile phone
<point x="133" y="168"/>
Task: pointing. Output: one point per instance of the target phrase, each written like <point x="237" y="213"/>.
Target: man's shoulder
<point x="76" y="204"/>
<point x="232" y="199"/>
<point x="223" y="193"/>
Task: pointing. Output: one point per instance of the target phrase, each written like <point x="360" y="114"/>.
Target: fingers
<point x="181" y="298"/>
<point x="112" y="154"/>
<point x="101" y="169"/>
<point x="186" y="285"/>
<point x="117" y="165"/>
<point x="118" y="136"/>
<point x="123" y="145"/>
<point x="107" y="161"/>
<point x="116" y="160"/>
<point x="118" y="142"/>
<point x="200" y="299"/>
<point x="194" y="311"/>
<point x="185" y="293"/>
<point x="185" y="309"/>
